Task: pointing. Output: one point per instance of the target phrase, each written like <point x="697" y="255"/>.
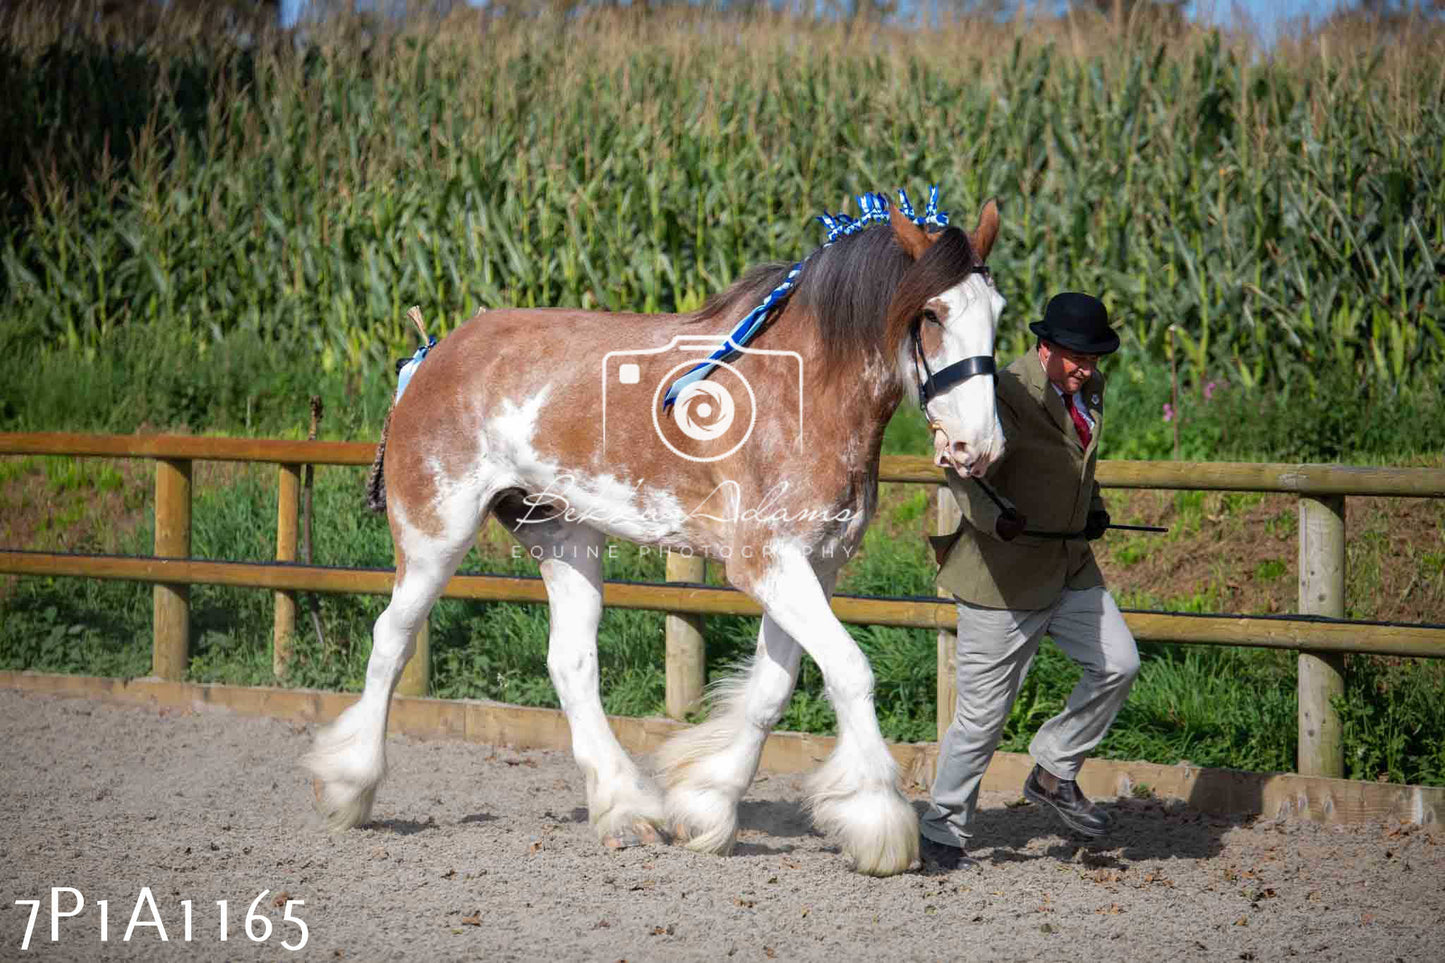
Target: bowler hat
<point x="1079" y="322"/>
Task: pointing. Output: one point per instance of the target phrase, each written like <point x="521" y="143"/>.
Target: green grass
<point x="1392" y="715"/>
<point x="1133" y="553"/>
<point x="1270" y="569"/>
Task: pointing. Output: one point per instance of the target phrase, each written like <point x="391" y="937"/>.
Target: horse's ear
<point x="984" y="235"/>
<point x="909" y="235"/>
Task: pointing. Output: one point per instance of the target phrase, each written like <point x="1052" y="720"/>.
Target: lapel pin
<point x="1094" y="400"/>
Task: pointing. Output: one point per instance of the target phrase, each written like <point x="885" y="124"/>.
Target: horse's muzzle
<point x="967" y="460"/>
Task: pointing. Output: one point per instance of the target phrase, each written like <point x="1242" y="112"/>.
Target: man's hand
<point x="1096" y="525"/>
<point x="1010" y="525"/>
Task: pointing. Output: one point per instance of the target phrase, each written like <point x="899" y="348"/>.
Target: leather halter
<point x="934" y="384"/>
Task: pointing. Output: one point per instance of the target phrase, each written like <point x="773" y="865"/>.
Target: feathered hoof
<point x="624" y="828"/>
<point x="346" y="772"/>
<point x="879" y="830"/>
<point x="343" y="807"/>
<point x="871" y="862"/>
<point x="718" y="841"/>
<point x="703" y="821"/>
<point x="641" y="832"/>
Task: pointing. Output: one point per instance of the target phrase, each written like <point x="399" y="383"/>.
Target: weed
<point x="911" y="509"/>
<point x="13" y="467"/>
<point x="1392" y="714"/>
<point x="1283" y="526"/>
<point x="1270" y="569"/>
<point x="1132" y="554"/>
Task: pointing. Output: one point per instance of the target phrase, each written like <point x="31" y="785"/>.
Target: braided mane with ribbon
<point x="873" y="209"/>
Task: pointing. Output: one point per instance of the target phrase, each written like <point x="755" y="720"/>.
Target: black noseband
<point x="959" y="371"/>
<point x="935" y="384"/>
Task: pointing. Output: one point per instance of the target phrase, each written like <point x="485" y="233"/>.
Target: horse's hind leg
<point x="709" y="767"/>
<point x="623" y="805"/>
<point x="348" y="758"/>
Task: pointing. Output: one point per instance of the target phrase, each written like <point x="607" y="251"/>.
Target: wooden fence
<point x="1318" y="633"/>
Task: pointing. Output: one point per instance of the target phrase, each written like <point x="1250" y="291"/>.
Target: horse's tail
<point x="376" y="480"/>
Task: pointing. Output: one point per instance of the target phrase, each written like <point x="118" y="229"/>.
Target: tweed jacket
<point x="1048" y="476"/>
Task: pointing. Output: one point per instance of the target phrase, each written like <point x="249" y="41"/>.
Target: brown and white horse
<point x="550" y="420"/>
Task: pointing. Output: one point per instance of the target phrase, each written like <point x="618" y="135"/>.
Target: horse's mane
<point x="863" y="290"/>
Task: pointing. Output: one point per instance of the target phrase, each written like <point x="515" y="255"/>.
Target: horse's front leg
<point x="855" y="792"/>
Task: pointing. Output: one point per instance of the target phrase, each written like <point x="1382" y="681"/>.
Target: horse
<point x="555" y="422"/>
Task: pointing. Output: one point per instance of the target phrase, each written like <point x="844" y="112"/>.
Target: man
<point x="1013" y="587"/>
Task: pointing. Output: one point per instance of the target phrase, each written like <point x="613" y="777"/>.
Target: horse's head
<point x="943" y="319"/>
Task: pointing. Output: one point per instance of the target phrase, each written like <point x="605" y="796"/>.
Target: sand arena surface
<point x="481" y="852"/>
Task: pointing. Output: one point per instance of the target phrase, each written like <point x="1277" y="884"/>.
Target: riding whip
<point x="1010" y="512"/>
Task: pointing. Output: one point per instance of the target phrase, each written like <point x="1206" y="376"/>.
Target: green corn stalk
<point x="1282" y="214"/>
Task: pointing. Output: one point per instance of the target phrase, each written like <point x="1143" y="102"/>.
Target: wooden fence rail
<point x="1185" y="476"/>
<point x="1319" y="635"/>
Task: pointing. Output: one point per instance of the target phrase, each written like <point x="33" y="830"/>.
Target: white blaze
<point x="971" y="437"/>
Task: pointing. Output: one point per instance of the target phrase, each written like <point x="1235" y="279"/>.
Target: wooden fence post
<point x="949" y="515"/>
<point x="283" y="633"/>
<point x="171" y="621"/>
<point x="416" y="676"/>
<point x="686" y="651"/>
<point x="1321" y="675"/>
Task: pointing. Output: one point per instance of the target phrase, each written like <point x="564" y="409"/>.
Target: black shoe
<point x="1076" y="811"/>
<point x="944" y="856"/>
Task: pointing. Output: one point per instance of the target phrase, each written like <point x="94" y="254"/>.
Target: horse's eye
<point x="930" y="317"/>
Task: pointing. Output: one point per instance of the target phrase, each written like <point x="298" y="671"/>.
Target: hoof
<point x="878" y="851"/>
<point x="346" y="769"/>
<point x="343" y="812"/>
<point x="879" y="829"/>
<point x="640" y="833"/>
<point x="718" y="841"/>
<point x="885" y="864"/>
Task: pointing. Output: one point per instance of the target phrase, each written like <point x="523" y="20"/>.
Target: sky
<point x="1269" y="16"/>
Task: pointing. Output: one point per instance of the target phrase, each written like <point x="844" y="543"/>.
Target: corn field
<point x="1282" y="216"/>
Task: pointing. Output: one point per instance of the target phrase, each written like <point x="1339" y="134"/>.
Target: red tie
<point x="1080" y="425"/>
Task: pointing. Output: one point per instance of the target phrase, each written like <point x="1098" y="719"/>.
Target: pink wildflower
<point x="1209" y="391"/>
<point x="1168" y="412"/>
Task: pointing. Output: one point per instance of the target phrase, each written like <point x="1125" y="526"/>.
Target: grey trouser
<point x="995" y="649"/>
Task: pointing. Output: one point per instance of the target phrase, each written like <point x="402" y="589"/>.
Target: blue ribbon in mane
<point x="873" y="209"/>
